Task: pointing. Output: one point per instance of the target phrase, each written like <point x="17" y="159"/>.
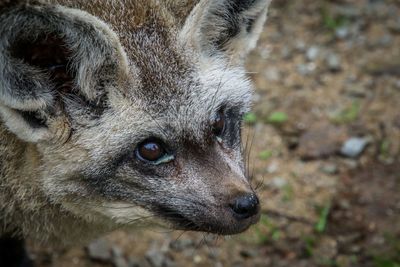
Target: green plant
<point x="320" y="227"/>
<point x="265" y="154"/>
<point x="385" y="262"/>
<point x="287" y="193"/>
<point x="277" y="117"/>
<point x="330" y="21"/>
<point x="250" y="118"/>
<point x="309" y="242"/>
<point x="384" y="148"/>
<point x="348" y="114"/>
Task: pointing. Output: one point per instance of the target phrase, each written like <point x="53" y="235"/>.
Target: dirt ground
<point x="324" y="141"/>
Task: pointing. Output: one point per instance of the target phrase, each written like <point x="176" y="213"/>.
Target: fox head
<point x="132" y="109"/>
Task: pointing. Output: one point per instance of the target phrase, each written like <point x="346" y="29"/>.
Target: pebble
<point x="333" y="62"/>
<point x="100" y="249"/>
<point x="118" y="257"/>
<point x="286" y="52"/>
<point x="248" y="253"/>
<point x="197" y="259"/>
<point x="348" y="11"/>
<point x="278" y="182"/>
<point x="356" y="90"/>
<point x="120" y="262"/>
<point x="327" y="246"/>
<point x="353" y="147"/>
<point x="394" y="25"/>
<point x="344" y="261"/>
<point x="397" y="84"/>
<point x="156" y="258"/>
<point x="306" y="69"/>
<point x="273" y="167"/>
<point x="300" y="45"/>
<point x="342" y="32"/>
<point x="272" y="74"/>
<point x="133" y="262"/>
<point x="330" y="169"/>
<point x="181" y="244"/>
<point x="312" y="53"/>
<point x="321" y="140"/>
<point x="351" y="164"/>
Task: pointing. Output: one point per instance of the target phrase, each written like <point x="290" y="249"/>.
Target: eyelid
<point x="167" y="158"/>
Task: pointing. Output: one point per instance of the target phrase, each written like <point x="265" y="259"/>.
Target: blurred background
<point x="323" y="141"/>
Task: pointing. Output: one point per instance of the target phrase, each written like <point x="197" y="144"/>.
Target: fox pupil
<point x="218" y="125"/>
<point x="151" y="151"/>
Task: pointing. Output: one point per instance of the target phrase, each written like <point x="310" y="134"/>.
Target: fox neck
<point x="24" y="208"/>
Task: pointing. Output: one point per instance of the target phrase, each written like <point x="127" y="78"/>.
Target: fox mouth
<point x="176" y="218"/>
<point x="223" y="224"/>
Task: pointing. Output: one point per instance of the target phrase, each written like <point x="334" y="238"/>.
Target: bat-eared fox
<point x="123" y="114"/>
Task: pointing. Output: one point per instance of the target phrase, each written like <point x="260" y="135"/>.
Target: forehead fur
<point x="170" y="79"/>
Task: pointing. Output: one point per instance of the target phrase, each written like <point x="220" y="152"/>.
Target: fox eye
<point x="218" y="124"/>
<point x="151" y="150"/>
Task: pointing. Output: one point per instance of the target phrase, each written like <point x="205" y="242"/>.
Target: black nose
<point x="245" y="206"/>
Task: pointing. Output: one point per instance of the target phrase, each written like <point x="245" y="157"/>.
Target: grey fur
<point x="129" y="70"/>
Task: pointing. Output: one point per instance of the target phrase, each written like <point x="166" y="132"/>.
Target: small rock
<point x="329" y="169"/>
<point x="327" y="247"/>
<point x="342" y="32"/>
<point x="278" y="182"/>
<point x="214" y="254"/>
<point x="300" y="45"/>
<point x="333" y="62"/>
<point x="118" y="257"/>
<point x="238" y="264"/>
<point x="344" y="261"/>
<point x="353" y="147"/>
<point x="120" y="262"/>
<point x="274" y="166"/>
<point x="100" y="249"/>
<point x="386" y="40"/>
<point x="181" y="244"/>
<point x="156" y="258"/>
<point x="396" y="122"/>
<point x="348" y="11"/>
<point x="351" y="164"/>
<point x="133" y="262"/>
<point x="356" y="90"/>
<point x="286" y="53"/>
<point x="272" y="74"/>
<point x="116" y="252"/>
<point x="397" y="84"/>
<point x="306" y="69"/>
<point x="344" y="204"/>
<point x="296" y="230"/>
<point x="197" y="259"/>
<point x="321" y="140"/>
<point x="394" y="25"/>
<point x="312" y="53"/>
<point x="248" y="253"/>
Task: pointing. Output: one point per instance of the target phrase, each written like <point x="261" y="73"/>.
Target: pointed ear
<point x="50" y="56"/>
<point x="231" y="27"/>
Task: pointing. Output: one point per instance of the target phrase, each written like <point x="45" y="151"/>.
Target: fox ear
<point x="33" y="72"/>
<point x="228" y="26"/>
<point x="49" y="58"/>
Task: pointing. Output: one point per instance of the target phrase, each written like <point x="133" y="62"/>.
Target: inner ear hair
<point x="50" y="54"/>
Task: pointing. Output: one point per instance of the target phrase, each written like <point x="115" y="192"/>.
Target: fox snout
<point x="245" y="206"/>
